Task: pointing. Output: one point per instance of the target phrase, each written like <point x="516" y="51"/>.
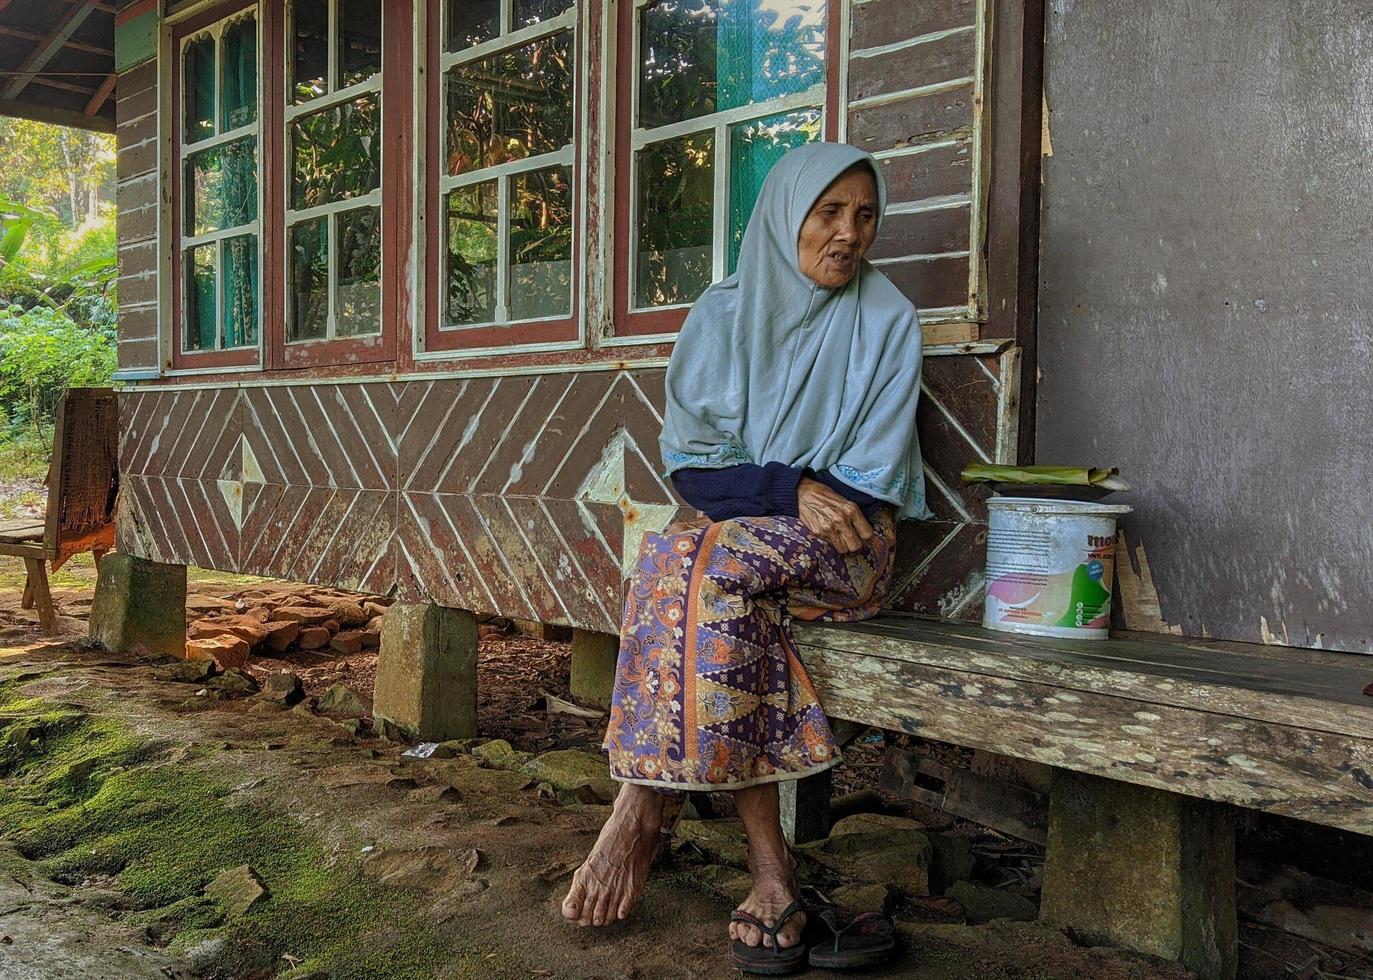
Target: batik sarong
<point x="709" y="692"/>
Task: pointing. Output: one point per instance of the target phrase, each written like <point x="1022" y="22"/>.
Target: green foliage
<point x="42" y="352"/>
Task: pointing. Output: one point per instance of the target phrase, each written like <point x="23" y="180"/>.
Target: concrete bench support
<point x="1143" y="869"/>
<point x="593" y="667"/>
<point x="427" y="672"/>
<point x="139" y="603"/>
<point x="806" y="807"/>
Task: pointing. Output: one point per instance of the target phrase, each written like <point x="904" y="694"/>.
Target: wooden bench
<point x="83" y="481"/>
<point x="1152" y="739"/>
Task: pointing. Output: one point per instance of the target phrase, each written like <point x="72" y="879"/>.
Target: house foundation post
<point x="427" y="672"/>
<point x="1144" y="869"/>
<point x="139" y="603"/>
<point x="594" y="656"/>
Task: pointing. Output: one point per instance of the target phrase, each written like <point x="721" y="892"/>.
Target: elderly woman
<point x="790" y="423"/>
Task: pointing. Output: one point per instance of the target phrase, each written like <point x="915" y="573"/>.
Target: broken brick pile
<point x="270" y="622"/>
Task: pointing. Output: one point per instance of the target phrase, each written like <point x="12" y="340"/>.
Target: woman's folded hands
<point x="831" y="517"/>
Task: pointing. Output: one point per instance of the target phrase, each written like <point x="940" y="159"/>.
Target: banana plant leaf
<point x="1105" y="477"/>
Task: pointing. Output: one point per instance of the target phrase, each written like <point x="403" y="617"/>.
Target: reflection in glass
<point x="199" y="82"/>
<point x="310" y="58"/>
<point x="309" y="281"/>
<point x="337" y="154"/>
<point x="675" y="220"/>
<point x="702" y="56"/>
<point x="240" y="291"/>
<point x="359" y="40"/>
<point x="472" y="22"/>
<point x="199" y="328"/>
<point x="540" y="244"/>
<point x="472" y="253"/>
<point x="754" y="147"/>
<point x="358" y="291"/>
<point x="510" y="106"/>
<point x="529" y="12"/>
<point x="238" y="75"/>
<point x="221" y="187"/>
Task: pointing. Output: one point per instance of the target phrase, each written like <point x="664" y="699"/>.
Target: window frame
<point x="214" y="20"/>
<point x="661" y="324"/>
<point x="438" y="340"/>
<point x="391" y="85"/>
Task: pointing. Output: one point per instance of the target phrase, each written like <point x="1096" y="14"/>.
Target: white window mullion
<point x="507" y="15"/>
<point x="719" y="253"/>
<point x="502" y="249"/>
<point x="219" y="296"/>
<point x="331" y="29"/>
<point x="505" y="42"/>
<point x="563" y="157"/>
<point x="331" y="274"/>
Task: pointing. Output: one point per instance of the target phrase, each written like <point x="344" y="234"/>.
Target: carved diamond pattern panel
<point x="525" y="496"/>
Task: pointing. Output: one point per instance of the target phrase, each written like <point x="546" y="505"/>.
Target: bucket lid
<point x="1074" y="508"/>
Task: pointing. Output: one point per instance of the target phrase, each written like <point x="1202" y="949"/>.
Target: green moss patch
<point x="90" y="797"/>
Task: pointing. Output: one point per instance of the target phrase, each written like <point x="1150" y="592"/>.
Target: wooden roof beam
<point x="102" y="95"/>
<point x="50" y="45"/>
<point x="73" y="45"/>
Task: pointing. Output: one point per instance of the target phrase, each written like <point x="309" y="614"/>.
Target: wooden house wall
<point x="526" y="494"/>
<point x="136" y="201"/>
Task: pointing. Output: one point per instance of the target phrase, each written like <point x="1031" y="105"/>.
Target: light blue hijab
<point x="770" y="367"/>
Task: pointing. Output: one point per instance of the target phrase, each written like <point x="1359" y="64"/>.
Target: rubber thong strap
<point x="748" y="918"/>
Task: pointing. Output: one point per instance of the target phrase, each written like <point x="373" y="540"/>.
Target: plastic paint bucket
<point x="1050" y="566"/>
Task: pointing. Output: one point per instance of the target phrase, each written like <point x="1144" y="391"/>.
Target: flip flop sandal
<point x="773" y="961"/>
<point x="869" y="940"/>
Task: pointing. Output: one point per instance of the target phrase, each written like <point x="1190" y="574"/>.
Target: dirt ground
<point x="126" y="792"/>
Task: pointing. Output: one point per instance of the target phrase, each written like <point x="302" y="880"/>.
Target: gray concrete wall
<point x="1206" y="303"/>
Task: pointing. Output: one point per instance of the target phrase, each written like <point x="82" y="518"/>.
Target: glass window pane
<point x="754" y="147"/>
<point x="510" y="106"/>
<point x="359" y="52"/>
<point x="676" y="220"/>
<point x="540" y="244"/>
<point x="358" y="293"/>
<point x="309" y="286"/>
<point x="310" y="57"/>
<point x="703" y="56"/>
<point x="221" y="187"/>
<point x="337" y="154"/>
<point x="472" y="22"/>
<point x="238" y="75"/>
<point x="198" y="89"/>
<point x="472" y="253"/>
<point x="199" y="328"/>
<point x="528" y="12"/>
<point x="240" y="291"/>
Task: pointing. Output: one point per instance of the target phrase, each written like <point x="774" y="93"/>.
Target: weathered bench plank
<point x="1163" y="715"/>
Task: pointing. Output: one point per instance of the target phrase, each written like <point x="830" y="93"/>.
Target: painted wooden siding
<point x="136" y="106"/>
<point x="524" y="496"/>
<point x="914" y="100"/>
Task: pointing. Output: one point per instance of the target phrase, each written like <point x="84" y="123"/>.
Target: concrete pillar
<point x="806" y="807"/>
<point x="139" y="603"/>
<point x="594" y="656"/>
<point x="427" y="672"/>
<point x="1143" y="869"/>
<point x="543" y="631"/>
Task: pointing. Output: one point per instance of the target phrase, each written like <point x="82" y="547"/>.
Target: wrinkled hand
<point x="832" y="517"/>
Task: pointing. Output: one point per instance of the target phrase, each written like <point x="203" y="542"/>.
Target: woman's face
<point x="839" y="229"/>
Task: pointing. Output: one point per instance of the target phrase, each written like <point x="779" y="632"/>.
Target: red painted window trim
<point x="247" y="356"/>
<point x="657" y="322"/>
<point x="476" y="339"/>
<point x="397" y="196"/>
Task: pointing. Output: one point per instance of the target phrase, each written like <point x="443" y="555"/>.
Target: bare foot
<point x="607" y="885"/>
<point x="774" y="888"/>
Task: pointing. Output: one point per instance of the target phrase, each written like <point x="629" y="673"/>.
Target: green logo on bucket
<point x="1089" y="605"/>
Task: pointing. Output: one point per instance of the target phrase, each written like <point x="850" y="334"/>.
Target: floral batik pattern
<point x="709" y="693"/>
